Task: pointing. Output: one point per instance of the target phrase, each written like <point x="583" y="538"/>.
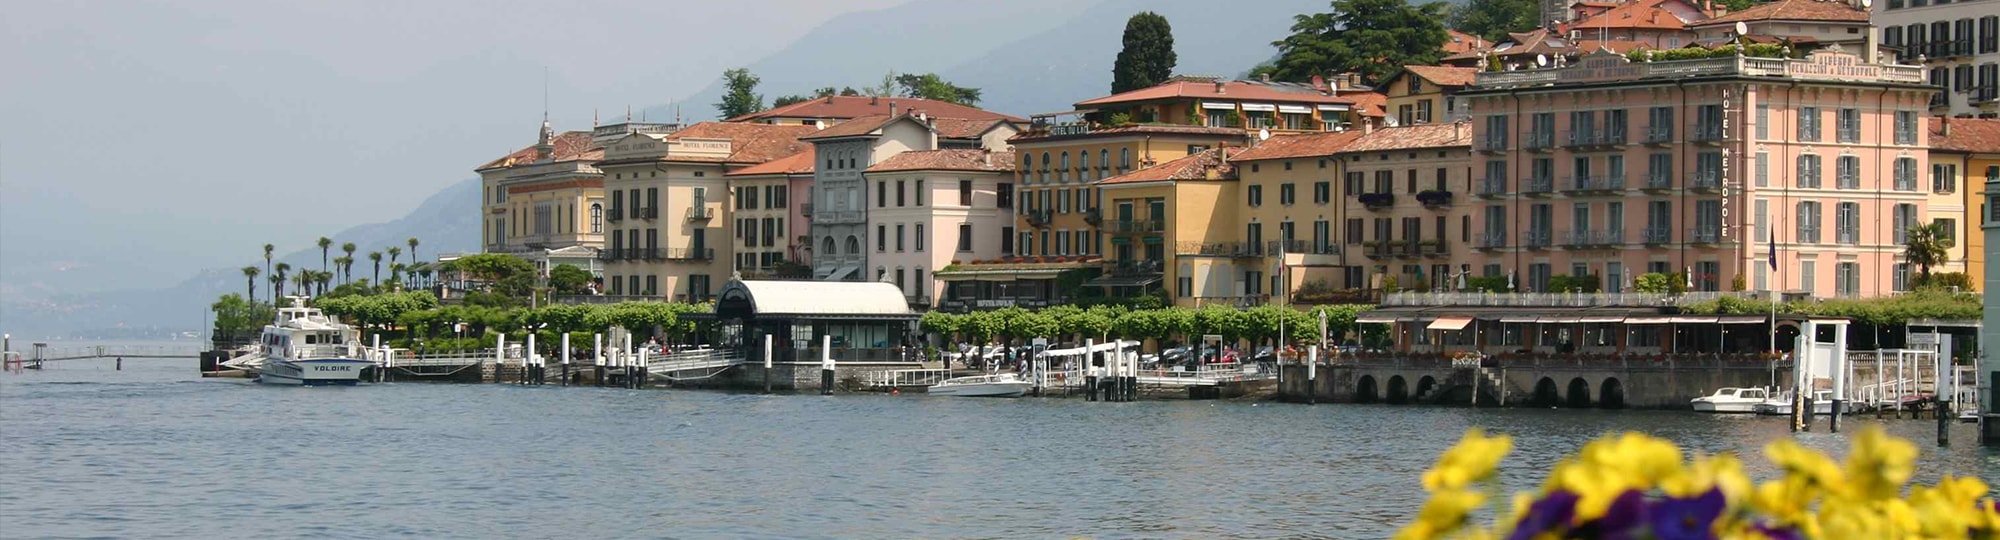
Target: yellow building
<point x="544" y="197"/>
<point x="1427" y="94"/>
<point x="1053" y="193"/>
<point x="1292" y="206"/>
<point x="1175" y="224"/>
<point x="1213" y="102"/>
<point x="1965" y="153"/>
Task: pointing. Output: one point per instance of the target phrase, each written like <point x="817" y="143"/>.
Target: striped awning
<point x="1294" y="109"/>
<point x="1260" y="107"/>
<point x="1450" y="322"/>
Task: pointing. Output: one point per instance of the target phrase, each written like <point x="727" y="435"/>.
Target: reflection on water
<point x="153" y="451"/>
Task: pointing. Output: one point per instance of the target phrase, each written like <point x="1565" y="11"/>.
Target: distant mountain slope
<point x="447" y="221"/>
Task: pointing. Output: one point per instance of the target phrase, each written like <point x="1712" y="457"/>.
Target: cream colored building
<point x="935" y="207"/>
<point x="841" y="196"/>
<point x="546" y="196"/>
<point x="769" y="212"/>
<point x="670" y="228"/>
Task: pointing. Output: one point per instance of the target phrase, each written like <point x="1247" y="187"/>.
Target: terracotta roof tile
<point x="950" y="128"/>
<point x="1793" y="10"/>
<point x="1459" y="42"/>
<point x="1191" y="167"/>
<point x="1644" y="15"/>
<point x="1197" y="87"/>
<point x="850" y="107"/>
<point x="1135" y="129"/>
<point x="751" y="143"/>
<point x="950" y="159"/>
<point x="1305" y="145"/>
<point x="570" y="145"/>
<point x="1968" y="135"/>
<point x="1444" y="75"/>
<point x="799" y="163"/>
<point x="1373" y="104"/>
<point x="961" y="128"/>
<point x="1411" y="137"/>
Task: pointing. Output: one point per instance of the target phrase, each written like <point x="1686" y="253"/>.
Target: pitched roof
<point x="962" y="128"/>
<point x="1369" y="103"/>
<point x="1412" y="137"/>
<point x="570" y="145"/>
<point x="1194" y="166"/>
<point x="1643" y="15"/>
<point x="1969" y="135"/>
<point x="950" y="159"/>
<point x="1541" y="41"/>
<point x="1794" y="10"/>
<point x="950" y="128"/>
<point x="1134" y="129"/>
<point x="850" y="107"/>
<point x="1204" y="87"/>
<point x="1458" y="42"/>
<point x="1444" y="75"/>
<point x="799" y="163"/>
<point x="1304" y="145"/>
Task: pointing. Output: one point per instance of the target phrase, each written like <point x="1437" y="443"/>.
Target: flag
<point x="1774" y="251"/>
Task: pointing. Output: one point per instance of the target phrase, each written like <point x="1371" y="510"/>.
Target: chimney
<point x="872" y="100"/>
<point x="1946" y="130"/>
<point x="1218" y="87"/>
<point x="892" y="107"/>
<point x="829" y="99"/>
<point x="1367" y="125"/>
<point x="1265" y="77"/>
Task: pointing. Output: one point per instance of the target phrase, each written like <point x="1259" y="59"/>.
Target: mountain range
<point x="1027" y="57"/>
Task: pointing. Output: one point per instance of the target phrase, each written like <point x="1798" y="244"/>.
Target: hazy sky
<point x="162" y="137"/>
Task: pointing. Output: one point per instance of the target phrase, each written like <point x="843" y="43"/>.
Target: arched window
<point x="1103" y="163"/>
<point x="828" y="250"/>
<point x="853" y="244"/>
<point x="1045" y="167"/>
<point x="1124" y="159"/>
<point x="596" y="218"/>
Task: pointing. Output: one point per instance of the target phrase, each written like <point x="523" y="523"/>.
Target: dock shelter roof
<point x="813" y="300"/>
<point x="1446" y="317"/>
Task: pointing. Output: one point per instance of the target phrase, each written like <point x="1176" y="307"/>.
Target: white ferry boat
<point x="305" y="347"/>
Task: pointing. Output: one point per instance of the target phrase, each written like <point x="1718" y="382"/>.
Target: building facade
<point x="768" y="210"/>
<point x="546" y="196"/>
<point x="1965" y="152"/>
<point x="839" y="211"/>
<point x="1173" y="226"/>
<point x="931" y="208"/>
<point x="1958" y="43"/>
<point x="1706" y="169"/>
<point x="1248" y="105"/>
<point x="1427" y="94"/>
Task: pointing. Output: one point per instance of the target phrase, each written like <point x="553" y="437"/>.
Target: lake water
<point x="155" y="451"/>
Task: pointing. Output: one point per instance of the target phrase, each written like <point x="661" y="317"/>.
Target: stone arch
<point x="829" y="249"/>
<point x="1399" y="390"/>
<point x="853" y="244"/>
<point x="1579" y="393"/>
<point x="1425" y="386"/>
<point x="1546" y="393"/>
<point x="1364" y="390"/>
<point x="1611" y="394"/>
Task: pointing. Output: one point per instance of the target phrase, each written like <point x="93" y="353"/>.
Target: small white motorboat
<point x="1782" y="404"/>
<point x="1731" y="400"/>
<point x="997" y="385"/>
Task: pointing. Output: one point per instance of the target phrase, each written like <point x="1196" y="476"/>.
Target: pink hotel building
<point x="1615" y="168"/>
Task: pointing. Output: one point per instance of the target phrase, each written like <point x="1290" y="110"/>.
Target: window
<point x="1902" y="277"/>
<point x="1003" y="194"/>
<point x="1809" y="124"/>
<point x="901" y="189"/>
<point x="881" y="194"/>
<point x="1351" y="184"/>
<point x="1763" y="121"/>
<point x="596" y="218"/>
<point x="1905" y="217"/>
<point x="1947" y="230"/>
<point x="965" y="193"/>
<point x="1354" y="233"/>
<point x="1287" y="194"/>
<point x="965" y="237"/>
<point x="1905" y="174"/>
<point x="1989" y="34"/>
<point x="1256" y="197"/>
<point x="881" y="238"/>
<point x="1124" y="159"/>
<point x="1849" y="127"/>
<point x="1762" y="221"/>
<point x="1944" y="177"/>
<point x="1847" y="279"/>
<point x="1763" y="165"/>
<point x="1906" y="127"/>
<point x="1847" y="223"/>
<point x="899" y="237"/>
<point x="1322" y="192"/>
<point x="1808" y="171"/>
<point x="1847" y="172"/>
<point x="1807" y="275"/>
<point x="1808" y="226"/>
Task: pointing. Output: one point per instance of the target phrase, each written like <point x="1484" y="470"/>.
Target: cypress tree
<point x="1148" y="57"/>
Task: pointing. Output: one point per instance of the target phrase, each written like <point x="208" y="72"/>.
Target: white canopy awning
<point x="1261" y="107"/>
<point x="1696" y="319"/>
<point x="1518" y="318"/>
<point x="1452" y="322"/>
<point x="1742" y="319"/>
<point x="1600" y="319"/>
<point x="1648" y="320"/>
<point x="1333" y="107"/>
<point x="1375" y="318"/>
<point x="1295" y="109"/>
<point x="1223" y="106"/>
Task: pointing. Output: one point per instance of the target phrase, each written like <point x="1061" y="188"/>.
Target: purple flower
<point x="1777" y="533"/>
<point x="1624" y="519"/>
<point x="1688" y="519"/>
<point x="1550" y="514"/>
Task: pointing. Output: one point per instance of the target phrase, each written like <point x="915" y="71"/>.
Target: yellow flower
<point x="1707" y="472"/>
<point x="1639" y="459"/>
<point x="1444" y="513"/>
<point x="1878" y="465"/>
<point x="1950" y="508"/>
<point x="1595" y="486"/>
<point x="1801" y="462"/>
<point x="1471" y="460"/>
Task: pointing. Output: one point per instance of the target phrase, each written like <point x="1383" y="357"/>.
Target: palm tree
<point x="396" y="273"/>
<point x="323" y="278"/>
<point x="267" y="269"/>
<point x="376" y="256"/>
<point x="324" y="243"/>
<point x="1926" y="245"/>
<point x="413" y="248"/>
<point x="284" y="271"/>
<point x="349" y="248"/>
<point x="277" y="286"/>
<point x="393" y="252"/>
<point x="340" y="265"/>
<point x="304" y="280"/>
<point x="250" y="274"/>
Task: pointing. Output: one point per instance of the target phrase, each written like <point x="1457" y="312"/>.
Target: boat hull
<point x="995" y="389"/>
<point x="1725" y="407"/>
<point x="316" y="372"/>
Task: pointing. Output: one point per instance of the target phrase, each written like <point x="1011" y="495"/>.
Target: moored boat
<point x="997" y="385"/>
<point x="1731" y="400"/>
<point x="305" y="347"/>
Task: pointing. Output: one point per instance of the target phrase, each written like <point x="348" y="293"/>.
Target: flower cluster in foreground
<point x="1636" y="486"/>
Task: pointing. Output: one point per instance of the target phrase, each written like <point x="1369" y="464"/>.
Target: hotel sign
<point x="1600" y="66"/>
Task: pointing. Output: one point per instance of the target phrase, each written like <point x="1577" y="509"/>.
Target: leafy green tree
<point x="789" y="100"/>
<point x="931" y="86"/>
<point x="1371" y="37"/>
<point x="940" y="323"/>
<point x="1492" y="20"/>
<point x="236" y="316"/>
<point x="741" y="98"/>
<point x="1148" y="56"/>
<point x="1926" y="245"/>
<point x="568" y="279"/>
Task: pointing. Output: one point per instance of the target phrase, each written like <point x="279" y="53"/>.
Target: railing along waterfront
<point x="1414" y="299"/>
<point x="1736" y="65"/>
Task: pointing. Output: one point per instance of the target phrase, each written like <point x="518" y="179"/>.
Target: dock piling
<point x="767" y="363"/>
<point x="597" y="357"/>
<point x="1312" y="374"/>
<point x="565" y="359"/>
<point x="826" y="365"/>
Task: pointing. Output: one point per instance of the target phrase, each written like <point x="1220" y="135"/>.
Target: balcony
<point x="1579" y="138"/>
<point x="1039" y="219"/>
<point x="1094" y="217"/>
<point x="1659" y="236"/>
<point x="1379" y="249"/>
<point x="1492" y="143"/>
<point x="1584" y="239"/>
<point x="1987" y="96"/>
<point x="1492" y="186"/>
<point x="1536" y="239"/>
<point x="1847" y="236"/>
<point x="1134" y="268"/>
<point x="1219" y="249"/>
<point x="687" y="254"/>
<point x="1538" y="141"/>
<point x="806" y="210"/>
<point x="1491" y="240"/>
<point x="1659" y="135"/>
<point x="615" y="215"/>
<point x="1810" y="235"/>
<point x="700" y="213"/>
<point x="610" y="254"/>
<point x="1377" y="201"/>
<point x="1539" y="186"/>
<point x="1594" y="184"/>
<point x="1304" y="247"/>
<point x="1434" y="199"/>
<point x="1659" y="181"/>
<point x="1705" y="180"/>
<point x="1705" y="235"/>
<point x="1137" y="227"/>
<point x="1705" y="133"/>
<point x="1433" y="249"/>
